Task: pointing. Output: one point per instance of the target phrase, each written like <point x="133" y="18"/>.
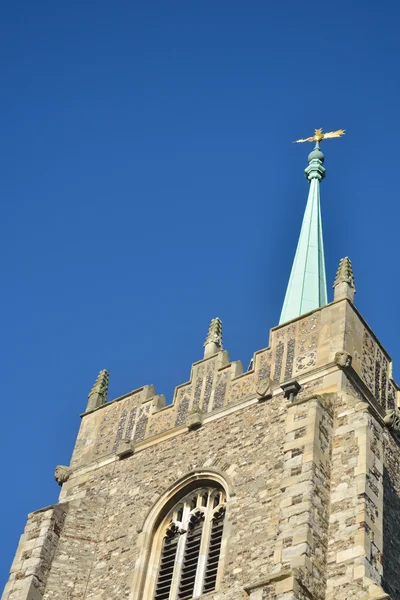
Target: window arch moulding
<point x="197" y="483"/>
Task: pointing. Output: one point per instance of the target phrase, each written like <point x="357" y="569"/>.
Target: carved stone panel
<point x="391" y="396"/>
<point x="375" y="370"/>
<point x="220" y="390"/>
<point x="161" y="421"/>
<point x="107" y="430"/>
<point x="182" y="411"/>
<point x="141" y="425"/>
<point x="289" y="358"/>
<point x="368" y="361"/>
<point x="198" y="386"/>
<point x="242" y="388"/>
<point x="121" y="429"/>
<point x="307" y="343"/>
<point x="278" y="361"/>
<point x="131" y="423"/>
<point x="263" y="365"/>
<point x="208" y="386"/>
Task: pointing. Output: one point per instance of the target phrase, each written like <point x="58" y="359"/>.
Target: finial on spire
<point x="344" y="285"/>
<point x="315" y="170"/>
<point x="98" y="393"/>
<point x="213" y="343"/>
<point x="316" y="154"/>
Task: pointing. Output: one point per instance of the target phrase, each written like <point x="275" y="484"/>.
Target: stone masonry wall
<point x="358" y="508"/>
<point x="391" y="517"/>
<point x="30" y="569"/>
<point x="246" y="445"/>
<point x="74" y="557"/>
<point x="305" y="488"/>
<point x="276" y="457"/>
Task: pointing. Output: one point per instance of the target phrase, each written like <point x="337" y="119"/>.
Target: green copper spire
<point x="307" y="284"/>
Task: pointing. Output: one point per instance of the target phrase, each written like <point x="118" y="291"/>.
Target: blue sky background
<point x="148" y="183"/>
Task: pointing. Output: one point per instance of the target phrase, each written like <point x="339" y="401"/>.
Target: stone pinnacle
<point x="98" y="393"/>
<point x="344" y="272"/>
<point x="213" y="343"/>
<point x="344" y="284"/>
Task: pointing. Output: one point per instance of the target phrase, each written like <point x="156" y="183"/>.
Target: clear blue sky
<point x="148" y="183"/>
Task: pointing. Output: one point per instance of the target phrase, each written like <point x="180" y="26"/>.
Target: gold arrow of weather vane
<point x="318" y="136"/>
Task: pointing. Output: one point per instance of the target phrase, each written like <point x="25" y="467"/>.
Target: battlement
<point x="306" y="349"/>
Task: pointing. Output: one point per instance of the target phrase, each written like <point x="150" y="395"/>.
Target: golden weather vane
<point x="318" y="136"/>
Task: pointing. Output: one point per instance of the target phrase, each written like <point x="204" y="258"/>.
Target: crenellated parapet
<point x="304" y="350"/>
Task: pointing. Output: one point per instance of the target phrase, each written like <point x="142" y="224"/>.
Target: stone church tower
<point x="278" y="483"/>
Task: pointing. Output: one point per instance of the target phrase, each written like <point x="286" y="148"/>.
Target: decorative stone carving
<point x="343" y="360"/>
<point x="196" y="515"/>
<point x="208" y="386"/>
<point x="391" y="397"/>
<point x="120" y="429"/>
<point x="125" y="448"/>
<point x="389" y="418"/>
<point x="109" y="426"/>
<point x="220" y="390"/>
<point x="263" y="365"/>
<point x="141" y="425"/>
<point x="219" y="513"/>
<point x="198" y="387"/>
<point x="131" y="423"/>
<point x="392" y="420"/>
<point x="182" y="410"/>
<point x="278" y="361"/>
<point x="242" y="388"/>
<point x="368" y="361"/>
<point x="291" y="389"/>
<point x="62" y="474"/>
<point x="264" y="388"/>
<point x="195" y="420"/>
<point x="290" y="351"/>
<point x="173" y="529"/>
<point x="307" y="343"/>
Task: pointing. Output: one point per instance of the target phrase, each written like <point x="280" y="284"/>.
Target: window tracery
<point x="191" y="546"/>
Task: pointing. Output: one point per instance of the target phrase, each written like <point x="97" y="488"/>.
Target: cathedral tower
<point x="278" y="483"/>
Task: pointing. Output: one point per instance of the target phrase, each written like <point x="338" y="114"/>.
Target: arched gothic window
<point x="191" y="545"/>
